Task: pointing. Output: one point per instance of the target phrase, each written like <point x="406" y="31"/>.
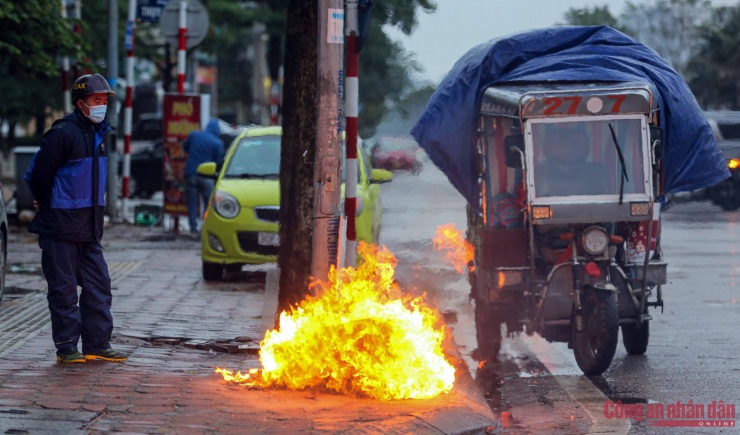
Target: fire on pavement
<point x="359" y="335"/>
<point x="459" y="251"/>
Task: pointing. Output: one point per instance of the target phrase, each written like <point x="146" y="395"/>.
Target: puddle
<point x="24" y="268"/>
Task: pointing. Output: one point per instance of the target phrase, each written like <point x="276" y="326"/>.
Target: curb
<point x="463" y="411"/>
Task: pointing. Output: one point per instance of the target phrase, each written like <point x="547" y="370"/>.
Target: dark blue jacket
<point x="203" y="146"/>
<point x="68" y="179"/>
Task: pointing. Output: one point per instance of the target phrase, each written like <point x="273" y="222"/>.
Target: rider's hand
<point x="36" y="205"/>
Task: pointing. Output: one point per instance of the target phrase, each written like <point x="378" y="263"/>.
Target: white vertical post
<point x="183" y="29"/>
<point x="351" y="99"/>
<point x="65" y="71"/>
<point x="129" y="104"/>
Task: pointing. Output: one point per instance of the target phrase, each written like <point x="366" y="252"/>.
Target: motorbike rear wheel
<point x="595" y="346"/>
<point x="635" y="339"/>
<point x="487" y="331"/>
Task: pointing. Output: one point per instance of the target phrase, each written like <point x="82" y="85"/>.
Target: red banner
<point x="181" y="116"/>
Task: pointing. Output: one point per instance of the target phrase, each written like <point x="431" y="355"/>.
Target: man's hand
<point x="36" y="205"/>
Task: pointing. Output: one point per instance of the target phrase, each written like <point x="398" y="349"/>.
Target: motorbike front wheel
<point x="594" y="347"/>
<point x="487" y="332"/>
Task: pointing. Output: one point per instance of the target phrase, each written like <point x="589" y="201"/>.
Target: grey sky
<point x="458" y="25"/>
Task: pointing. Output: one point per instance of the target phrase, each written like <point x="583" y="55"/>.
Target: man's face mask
<point x="97" y="113"/>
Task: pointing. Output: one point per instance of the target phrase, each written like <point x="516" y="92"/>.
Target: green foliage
<point x="33" y="34"/>
<point x="668" y="26"/>
<point x="595" y="16"/>
<point x="33" y="37"/>
<point x="385" y="67"/>
<point x="400" y="13"/>
<point x="713" y="73"/>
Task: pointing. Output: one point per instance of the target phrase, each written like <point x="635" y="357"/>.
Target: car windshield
<point x="599" y="157"/>
<point x="255" y="157"/>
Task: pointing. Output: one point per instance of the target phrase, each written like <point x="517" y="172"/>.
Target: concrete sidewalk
<point x="177" y="329"/>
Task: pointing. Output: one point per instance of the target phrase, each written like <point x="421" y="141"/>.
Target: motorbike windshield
<point x="255" y="157"/>
<point x="596" y="157"/>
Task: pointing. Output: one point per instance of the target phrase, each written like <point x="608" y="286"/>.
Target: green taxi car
<point x="240" y="225"/>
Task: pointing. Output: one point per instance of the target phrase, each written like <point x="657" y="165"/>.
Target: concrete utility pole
<point x="328" y="161"/>
<point x="111" y="114"/>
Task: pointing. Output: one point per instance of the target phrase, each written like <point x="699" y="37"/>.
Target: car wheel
<point x="213" y="271"/>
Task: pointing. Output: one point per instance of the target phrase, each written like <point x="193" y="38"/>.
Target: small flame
<point x="451" y="239"/>
<point x="359" y="335"/>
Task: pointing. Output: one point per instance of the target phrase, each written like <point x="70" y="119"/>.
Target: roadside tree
<point x="713" y="73"/>
<point x="33" y="35"/>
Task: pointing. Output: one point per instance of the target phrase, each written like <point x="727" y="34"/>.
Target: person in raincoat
<point x="201" y="147"/>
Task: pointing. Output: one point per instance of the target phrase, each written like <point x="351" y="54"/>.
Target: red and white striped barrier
<point x="183" y="29"/>
<point x="129" y="104"/>
<point x="351" y="100"/>
<point x="65" y="70"/>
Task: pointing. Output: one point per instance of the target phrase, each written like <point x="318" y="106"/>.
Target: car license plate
<point x="268" y="239"/>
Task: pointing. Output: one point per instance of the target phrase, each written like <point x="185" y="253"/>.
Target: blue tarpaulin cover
<point x="446" y="129"/>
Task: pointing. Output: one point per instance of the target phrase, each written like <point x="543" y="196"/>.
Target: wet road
<point x="694" y="343"/>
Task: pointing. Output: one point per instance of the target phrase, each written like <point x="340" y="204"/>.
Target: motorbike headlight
<point x="595" y="240"/>
<point x="225" y="205"/>
<point x="733" y="163"/>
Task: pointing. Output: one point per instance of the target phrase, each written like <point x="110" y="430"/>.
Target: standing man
<point x="68" y="180"/>
<point x="201" y="146"/>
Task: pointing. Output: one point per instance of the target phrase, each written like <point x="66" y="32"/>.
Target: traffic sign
<point x="150" y="10"/>
<point x="197" y="23"/>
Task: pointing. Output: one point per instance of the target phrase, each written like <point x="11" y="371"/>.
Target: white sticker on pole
<point x="335" y="27"/>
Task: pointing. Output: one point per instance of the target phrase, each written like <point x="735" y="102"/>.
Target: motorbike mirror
<point x="656" y="143"/>
<point x="514" y="151"/>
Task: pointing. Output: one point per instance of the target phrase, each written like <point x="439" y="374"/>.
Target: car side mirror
<point x="656" y="143"/>
<point x="514" y="151"/>
<point x="380" y="176"/>
<point x="207" y="169"/>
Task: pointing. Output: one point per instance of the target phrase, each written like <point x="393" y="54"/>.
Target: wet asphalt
<point x="535" y="385"/>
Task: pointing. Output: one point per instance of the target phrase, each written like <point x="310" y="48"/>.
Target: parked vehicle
<point x="241" y="222"/>
<point x="3" y="244"/>
<point x="564" y="167"/>
<point x="726" y="128"/>
<point x="395" y="154"/>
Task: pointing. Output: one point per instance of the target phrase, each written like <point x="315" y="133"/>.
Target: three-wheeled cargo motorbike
<point x="567" y="240"/>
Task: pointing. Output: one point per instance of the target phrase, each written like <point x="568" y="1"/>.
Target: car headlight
<point x="595" y="240"/>
<point x="225" y="205"/>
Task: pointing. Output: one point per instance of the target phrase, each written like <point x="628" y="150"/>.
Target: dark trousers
<point x="198" y="188"/>
<point x="67" y="265"/>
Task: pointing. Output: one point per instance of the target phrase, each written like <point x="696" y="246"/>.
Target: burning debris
<point x="360" y="335"/>
<point x="460" y="252"/>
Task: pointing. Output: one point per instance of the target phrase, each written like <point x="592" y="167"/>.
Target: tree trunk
<point x="300" y="111"/>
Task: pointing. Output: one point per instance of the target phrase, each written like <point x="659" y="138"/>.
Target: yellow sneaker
<point x="106" y="355"/>
<point x="70" y="356"/>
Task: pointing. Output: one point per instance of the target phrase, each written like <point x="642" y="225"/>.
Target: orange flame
<point x="450" y="239"/>
<point x="359" y="335"/>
